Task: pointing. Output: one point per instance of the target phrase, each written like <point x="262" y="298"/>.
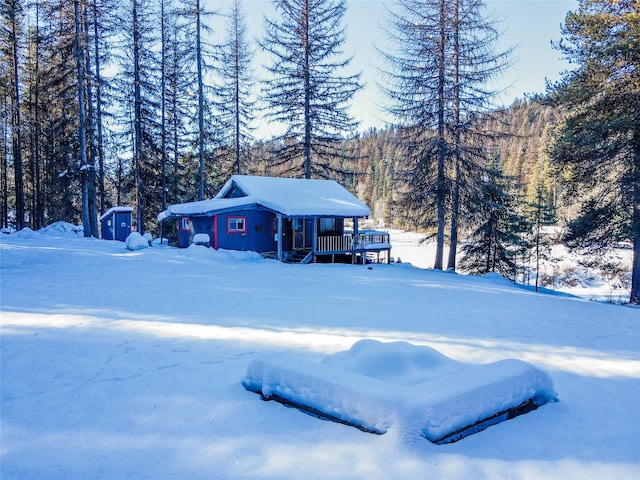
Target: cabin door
<point x="298" y="225"/>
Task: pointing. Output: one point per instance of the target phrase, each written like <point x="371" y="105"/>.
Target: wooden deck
<point x="371" y="245"/>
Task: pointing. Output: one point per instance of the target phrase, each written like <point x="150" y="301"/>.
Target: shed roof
<point x="116" y="210"/>
<point x="288" y="196"/>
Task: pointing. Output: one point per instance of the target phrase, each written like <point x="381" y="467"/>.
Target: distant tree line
<point x="107" y="103"/>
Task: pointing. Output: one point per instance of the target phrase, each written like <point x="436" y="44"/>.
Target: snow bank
<point x="63" y="229"/>
<point x="201" y="239"/>
<point x="57" y="229"/>
<point x="25" y="234"/>
<point x="221" y="255"/>
<point x="375" y="385"/>
<point x="135" y="241"/>
<point x="399" y="363"/>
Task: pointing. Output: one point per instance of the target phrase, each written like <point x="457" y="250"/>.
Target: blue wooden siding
<point x="254" y="230"/>
<point x="258" y="235"/>
<point x="189" y="226"/>
<point x="116" y="226"/>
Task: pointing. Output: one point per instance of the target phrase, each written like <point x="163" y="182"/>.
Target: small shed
<point x="116" y="223"/>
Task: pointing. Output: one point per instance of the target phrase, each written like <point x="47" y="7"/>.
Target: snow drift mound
<point x="375" y="385"/>
<point x="135" y="241"/>
<point x="57" y="229"/>
<point x="63" y="229"/>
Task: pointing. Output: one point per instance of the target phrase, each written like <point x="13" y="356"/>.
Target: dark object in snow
<point x="375" y="385"/>
<point x="116" y="223"/>
<point x="480" y="425"/>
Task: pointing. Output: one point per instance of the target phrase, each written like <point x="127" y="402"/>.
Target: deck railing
<point x="345" y="243"/>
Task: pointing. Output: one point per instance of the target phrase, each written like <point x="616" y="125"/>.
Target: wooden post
<point x="356" y="244"/>
<point x="279" y="240"/>
<point x="314" y="236"/>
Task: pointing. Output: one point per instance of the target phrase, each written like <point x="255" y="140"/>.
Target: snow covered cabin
<point x="293" y="220"/>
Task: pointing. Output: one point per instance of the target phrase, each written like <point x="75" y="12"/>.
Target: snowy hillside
<point x="602" y="277"/>
<point x="129" y="364"/>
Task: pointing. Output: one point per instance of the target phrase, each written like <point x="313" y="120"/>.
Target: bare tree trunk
<point x="174" y="107"/>
<point x="441" y="195"/>
<point x="137" y="119"/>
<point x="236" y="61"/>
<point x="99" y="146"/>
<point x="82" y="126"/>
<point x="91" y="160"/>
<point x="38" y="213"/>
<point x="16" y="127"/>
<point x="307" y="97"/>
<point x="4" y="180"/>
<point x="635" y="272"/>
<point x="163" y="95"/>
<point x="200" y="103"/>
<point x="455" y="205"/>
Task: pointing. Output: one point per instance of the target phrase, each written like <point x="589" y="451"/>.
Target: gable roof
<point x="288" y="196"/>
<point x="116" y="210"/>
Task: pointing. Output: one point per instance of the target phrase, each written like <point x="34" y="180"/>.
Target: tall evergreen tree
<point x="103" y="29"/>
<point x="492" y="245"/>
<point x="599" y="143"/>
<point x="201" y="56"/>
<point x="82" y="123"/>
<point x="539" y="214"/>
<point x="441" y="58"/>
<point x="164" y="51"/>
<point x="32" y="107"/>
<point x="307" y="91"/>
<point x="4" y="142"/>
<point x="199" y="65"/>
<point x="12" y="12"/>
<point x="58" y="116"/>
<point x="140" y="93"/>
<point x="178" y="80"/>
<point x="236" y="103"/>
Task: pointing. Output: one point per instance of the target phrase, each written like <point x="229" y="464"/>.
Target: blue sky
<point x="528" y="25"/>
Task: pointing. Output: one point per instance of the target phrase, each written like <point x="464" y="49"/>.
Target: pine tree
<point x="201" y="58"/>
<point x="59" y="116"/>
<point x="236" y="105"/>
<point x="493" y="245"/>
<point x="102" y="28"/>
<point x="82" y="124"/>
<point x="140" y="103"/>
<point x="539" y="214"/>
<point x="178" y="80"/>
<point x="12" y="12"/>
<point x="598" y="144"/>
<point x="306" y="91"/>
<point x="4" y="143"/>
<point x="440" y="60"/>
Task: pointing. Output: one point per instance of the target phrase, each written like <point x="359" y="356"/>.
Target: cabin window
<point x="236" y="225"/>
<point x="327" y="225"/>
<point x="184" y="224"/>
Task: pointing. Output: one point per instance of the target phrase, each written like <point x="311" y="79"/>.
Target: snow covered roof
<point x="288" y="196"/>
<point x="116" y="210"/>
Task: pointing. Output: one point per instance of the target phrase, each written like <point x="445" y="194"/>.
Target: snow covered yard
<point x="128" y="364"/>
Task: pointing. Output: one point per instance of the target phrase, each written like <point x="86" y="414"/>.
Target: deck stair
<point x="299" y="256"/>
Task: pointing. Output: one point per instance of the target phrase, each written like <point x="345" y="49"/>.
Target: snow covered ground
<point x="128" y="364"/>
<point x="605" y="277"/>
